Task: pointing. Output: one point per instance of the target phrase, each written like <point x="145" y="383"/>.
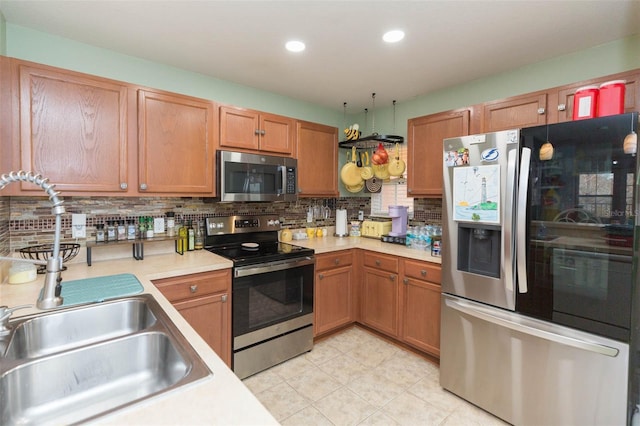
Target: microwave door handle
<point x="507" y="235"/>
<point x="283" y="177"/>
<point x="521" y="220"/>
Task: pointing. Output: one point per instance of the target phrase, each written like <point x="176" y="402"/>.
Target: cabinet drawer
<point x="423" y="271"/>
<point x="195" y="285"/>
<point x="381" y="261"/>
<point x="334" y="260"/>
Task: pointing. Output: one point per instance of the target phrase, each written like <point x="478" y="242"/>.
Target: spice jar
<point x="100" y="233"/>
<point x="171" y="224"/>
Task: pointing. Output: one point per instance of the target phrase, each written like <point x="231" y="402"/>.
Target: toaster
<point x="375" y="228"/>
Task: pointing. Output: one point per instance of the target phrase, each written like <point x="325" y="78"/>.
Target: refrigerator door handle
<point x="484" y="314"/>
<point x="507" y="235"/>
<point x="521" y="219"/>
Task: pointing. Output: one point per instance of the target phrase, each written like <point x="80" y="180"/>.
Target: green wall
<point x="31" y="45"/>
<point x="3" y="35"/>
<point x="618" y="56"/>
<point x="610" y="58"/>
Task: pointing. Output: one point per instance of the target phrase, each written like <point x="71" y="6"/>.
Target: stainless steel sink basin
<point x="46" y="334"/>
<point x="118" y="353"/>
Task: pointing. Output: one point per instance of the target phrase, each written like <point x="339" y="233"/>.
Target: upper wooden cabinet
<point x="73" y="129"/>
<point x="175" y="144"/>
<point x="562" y="98"/>
<point x="516" y="112"/>
<point x="256" y="131"/>
<point x="424" y="158"/>
<point x="317" y="153"/>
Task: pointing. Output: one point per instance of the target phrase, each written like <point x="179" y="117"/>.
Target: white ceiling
<point x="446" y="43"/>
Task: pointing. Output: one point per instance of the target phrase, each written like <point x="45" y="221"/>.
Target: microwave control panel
<point x="291" y="181"/>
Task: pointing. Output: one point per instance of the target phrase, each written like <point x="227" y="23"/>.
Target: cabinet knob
<point x="257" y="132"/>
<point x="562" y="107"/>
<point x="124" y="185"/>
<point x="392" y="277"/>
<point x="336" y="261"/>
<point x="405" y="281"/>
<point x="262" y="132"/>
<point x="321" y="276"/>
<point x="193" y="288"/>
<point x="541" y="111"/>
<point x="378" y="262"/>
<point x="224" y="298"/>
<point x="409" y="190"/>
<point x="143" y="186"/>
<point x="423" y="272"/>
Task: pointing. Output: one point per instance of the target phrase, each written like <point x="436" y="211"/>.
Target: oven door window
<point x="247" y="178"/>
<point x="268" y="298"/>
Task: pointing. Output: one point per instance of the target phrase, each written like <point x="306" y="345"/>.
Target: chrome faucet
<point x="50" y="295"/>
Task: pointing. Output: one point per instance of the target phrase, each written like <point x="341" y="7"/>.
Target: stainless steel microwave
<point x="254" y="177"/>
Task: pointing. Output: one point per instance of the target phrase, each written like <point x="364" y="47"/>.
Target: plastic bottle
<point x="142" y="227"/>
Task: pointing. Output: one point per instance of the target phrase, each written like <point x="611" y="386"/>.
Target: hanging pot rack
<point x="371" y="141"/>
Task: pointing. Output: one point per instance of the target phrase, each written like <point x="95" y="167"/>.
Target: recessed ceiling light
<point x="295" y="46"/>
<point x="393" y="36"/>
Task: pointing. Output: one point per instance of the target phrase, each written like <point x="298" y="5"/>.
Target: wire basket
<point x="44" y="251"/>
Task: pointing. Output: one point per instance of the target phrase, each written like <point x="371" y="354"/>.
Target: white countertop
<point x="218" y="399"/>
<point x="329" y="244"/>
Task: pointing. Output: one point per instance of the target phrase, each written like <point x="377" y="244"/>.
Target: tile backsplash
<point x="26" y="221"/>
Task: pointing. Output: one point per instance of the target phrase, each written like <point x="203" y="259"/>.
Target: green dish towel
<point x="99" y="289"/>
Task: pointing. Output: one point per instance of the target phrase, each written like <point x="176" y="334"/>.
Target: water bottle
<point x="410" y="236"/>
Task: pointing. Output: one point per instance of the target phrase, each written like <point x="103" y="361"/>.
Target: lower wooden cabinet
<point x="421" y="306"/>
<point x="380" y="296"/>
<point x="204" y="300"/>
<point x="334" y="296"/>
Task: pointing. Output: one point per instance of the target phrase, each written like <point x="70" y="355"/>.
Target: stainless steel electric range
<point x="272" y="291"/>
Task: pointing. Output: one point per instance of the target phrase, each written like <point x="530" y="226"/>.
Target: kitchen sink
<point x="76" y="364"/>
<point x="67" y="329"/>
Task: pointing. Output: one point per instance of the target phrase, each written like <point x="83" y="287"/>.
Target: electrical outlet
<point x="79" y="225"/>
<point x="360" y="215"/>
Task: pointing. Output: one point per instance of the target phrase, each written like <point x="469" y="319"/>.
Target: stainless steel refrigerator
<point x="537" y="271"/>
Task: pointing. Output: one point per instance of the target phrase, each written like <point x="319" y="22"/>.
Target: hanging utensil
<point x="373" y="185"/>
<point x="350" y="174"/>
<point x="396" y="166"/>
<point x="366" y="172"/>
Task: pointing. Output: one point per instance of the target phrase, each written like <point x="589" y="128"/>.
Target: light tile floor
<point x="357" y="378"/>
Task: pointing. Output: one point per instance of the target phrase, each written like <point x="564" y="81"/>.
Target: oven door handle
<point x="279" y="265"/>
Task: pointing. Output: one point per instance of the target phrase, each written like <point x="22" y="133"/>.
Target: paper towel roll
<point x="341" y="222"/>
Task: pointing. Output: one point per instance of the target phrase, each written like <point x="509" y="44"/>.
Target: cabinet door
<point x="176" y="144"/>
<point x="380" y="300"/>
<point x="333" y="299"/>
<point x="209" y="318"/>
<point x="317" y="153"/>
<point x="73" y="129"/>
<point x="514" y="113"/>
<point x="631" y="94"/>
<point x="421" y="315"/>
<point x="424" y="159"/>
<point x="239" y="128"/>
<point x="277" y="134"/>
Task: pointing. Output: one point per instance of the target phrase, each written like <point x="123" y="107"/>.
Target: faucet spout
<point x="50" y="295"/>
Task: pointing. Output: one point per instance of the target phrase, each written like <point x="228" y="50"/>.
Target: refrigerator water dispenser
<point x="479" y="249"/>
